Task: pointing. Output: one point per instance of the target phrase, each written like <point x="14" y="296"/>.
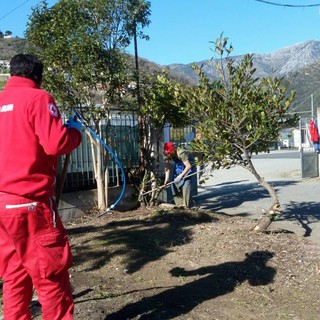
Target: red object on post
<point x="314" y="134"/>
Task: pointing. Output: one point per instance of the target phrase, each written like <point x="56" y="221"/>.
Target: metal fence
<point x="179" y="136"/>
<point x="120" y="132"/>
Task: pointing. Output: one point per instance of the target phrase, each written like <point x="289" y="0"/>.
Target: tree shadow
<point x="215" y="281"/>
<point x="305" y="213"/>
<point x="137" y="241"/>
<point x="233" y="194"/>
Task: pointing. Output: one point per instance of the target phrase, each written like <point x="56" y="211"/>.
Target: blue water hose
<point x="80" y="118"/>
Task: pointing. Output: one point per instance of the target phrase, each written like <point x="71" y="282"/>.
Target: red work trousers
<point x="34" y="252"/>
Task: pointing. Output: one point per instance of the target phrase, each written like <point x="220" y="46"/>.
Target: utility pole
<point x="137" y="77"/>
<point x="136" y="59"/>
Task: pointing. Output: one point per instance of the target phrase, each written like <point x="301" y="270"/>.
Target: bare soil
<point x="186" y="264"/>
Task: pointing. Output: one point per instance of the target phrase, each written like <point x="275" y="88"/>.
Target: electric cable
<point x="289" y="5"/>
<point x="301" y="102"/>
<point x="13" y="10"/>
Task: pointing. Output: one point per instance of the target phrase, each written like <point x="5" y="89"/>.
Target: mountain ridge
<point x="299" y="64"/>
<point x="280" y="62"/>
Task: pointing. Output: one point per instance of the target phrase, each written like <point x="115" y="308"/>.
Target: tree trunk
<point x="266" y="219"/>
<point x="96" y="151"/>
<point x="154" y="146"/>
<point x="102" y="203"/>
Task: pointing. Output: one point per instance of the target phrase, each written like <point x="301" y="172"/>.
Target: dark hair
<point x="27" y="66"/>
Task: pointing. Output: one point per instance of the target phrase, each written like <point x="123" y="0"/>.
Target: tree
<point x="82" y="44"/>
<point x="160" y="105"/>
<point x="239" y="115"/>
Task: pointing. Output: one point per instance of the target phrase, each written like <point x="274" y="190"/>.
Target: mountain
<point x="299" y="64"/>
<point x="278" y="63"/>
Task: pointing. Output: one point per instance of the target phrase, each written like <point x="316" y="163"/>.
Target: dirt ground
<point x="183" y="264"/>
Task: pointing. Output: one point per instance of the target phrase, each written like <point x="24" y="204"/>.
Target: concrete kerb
<point x="74" y="205"/>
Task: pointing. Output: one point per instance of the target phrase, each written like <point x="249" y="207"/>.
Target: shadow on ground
<point x="304" y="213"/>
<point x="140" y="241"/>
<point x="233" y="194"/>
<point x="214" y="281"/>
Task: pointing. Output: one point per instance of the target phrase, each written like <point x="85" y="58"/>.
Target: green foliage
<point x="82" y="43"/>
<point x="238" y="115"/>
<point x="161" y="101"/>
<point x="2" y="84"/>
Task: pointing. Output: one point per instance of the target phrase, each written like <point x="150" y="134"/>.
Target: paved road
<point x="237" y="192"/>
<point x="279" y="154"/>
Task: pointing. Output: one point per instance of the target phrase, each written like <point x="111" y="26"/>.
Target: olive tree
<point x="82" y="44"/>
<point x="239" y="115"/>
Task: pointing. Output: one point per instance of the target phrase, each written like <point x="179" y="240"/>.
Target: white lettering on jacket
<point x="6" y="108"/>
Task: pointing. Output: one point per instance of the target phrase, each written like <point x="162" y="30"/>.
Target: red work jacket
<point x="32" y="138"/>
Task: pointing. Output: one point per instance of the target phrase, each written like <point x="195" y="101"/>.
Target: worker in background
<point x="178" y="167"/>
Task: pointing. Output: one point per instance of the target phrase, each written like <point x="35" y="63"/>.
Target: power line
<point x="289" y="5"/>
<point x="13" y="10"/>
<point x="301" y="102"/>
<point x="297" y="104"/>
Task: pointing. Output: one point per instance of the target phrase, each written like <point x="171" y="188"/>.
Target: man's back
<point x="31" y="139"/>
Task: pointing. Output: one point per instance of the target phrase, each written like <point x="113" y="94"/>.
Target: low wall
<point x="74" y="205"/>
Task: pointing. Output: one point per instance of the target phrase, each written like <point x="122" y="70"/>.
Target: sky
<point x="181" y="30"/>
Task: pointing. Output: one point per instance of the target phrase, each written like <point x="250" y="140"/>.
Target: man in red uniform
<point x="34" y="249"/>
